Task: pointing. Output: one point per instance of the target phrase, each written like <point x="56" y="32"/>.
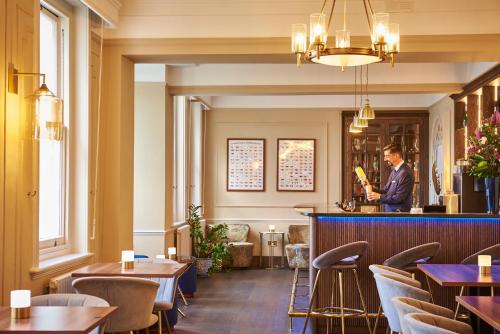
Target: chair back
<point x="235" y="232"/>
<point x="134" y="297"/>
<point x="165" y="297"/>
<point x="298" y="234"/>
<point x="381" y="269"/>
<point x="494" y="251"/>
<point x="68" y="299"/>
<point x="390" y="286"/>
<point x="406" y="305"/>
<point x="353" y="251"/>
<point x="422" y="253"/>
<point x="425" y="323"/>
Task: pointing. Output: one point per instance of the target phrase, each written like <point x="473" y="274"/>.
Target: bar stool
<point x="494" y="252"/>
<point x="409" y="259"/>
<point x="338" y="260"/>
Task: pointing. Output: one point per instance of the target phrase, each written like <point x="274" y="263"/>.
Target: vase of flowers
<point x="484" y="157"/>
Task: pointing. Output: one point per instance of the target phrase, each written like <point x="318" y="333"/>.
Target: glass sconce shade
<point x="299" y="38"/>
<point x="393" y="38"/>
<point x="48" y="115"/>
<point x="317" y="27"/>
<point x="367" y="111"/>
<point x="380" y="28"/>
<point x="354" y="129"/>
<point x="342" y="39"/>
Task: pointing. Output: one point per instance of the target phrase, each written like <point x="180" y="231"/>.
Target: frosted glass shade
<point x="20" y="298"/>
<point x="380" y="28"/>
<point x="127" y="256"/>
<point x="342" y="39"/>
<point x="317" y="29"/>
<point x="172" y="251"/>
<point x="393" y="38"/>
<point x="299" y="38"/>
<point x="48" y="123"/>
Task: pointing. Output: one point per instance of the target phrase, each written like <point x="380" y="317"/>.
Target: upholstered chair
<point x="70" y="299"/>
<point x="425" y="323"/>
<point x="241" y="250"/>
<point x="390" y="286"/>
<point x="297" y="249"/>
<point x="134" y="297"/>
<point x="165" y="300"/>
<point x="406" y="305"/>
<point x="494" y="252"/>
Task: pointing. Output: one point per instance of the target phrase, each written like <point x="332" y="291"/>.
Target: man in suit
<point x="397" y="194"/>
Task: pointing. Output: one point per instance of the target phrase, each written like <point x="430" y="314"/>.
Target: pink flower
<point x="478" y="133"/>
<point x="473" y="150"/>
<point x="497" y="154"/>
<point x="495" y="118"/>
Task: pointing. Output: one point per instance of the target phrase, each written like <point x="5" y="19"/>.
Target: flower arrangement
<point x="484" y="149"/>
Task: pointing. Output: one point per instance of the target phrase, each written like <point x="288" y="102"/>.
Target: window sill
<point x="58" y="264"/>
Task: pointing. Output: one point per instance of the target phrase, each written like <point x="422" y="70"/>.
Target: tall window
<point x="52" y="154"/>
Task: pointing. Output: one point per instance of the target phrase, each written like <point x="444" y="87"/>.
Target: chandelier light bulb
<point x="380" y="28"/>
<point x="318" y="34"/>
<point x="299" y="38"/>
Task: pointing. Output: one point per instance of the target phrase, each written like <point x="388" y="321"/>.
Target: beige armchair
<point x="241" y="250"/>
<point x="134" y="297"/>
<point x="297" y="250"/>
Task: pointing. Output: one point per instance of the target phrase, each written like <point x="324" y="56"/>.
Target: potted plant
<point x="210" y="250"/>
<point x="484" y="157"/>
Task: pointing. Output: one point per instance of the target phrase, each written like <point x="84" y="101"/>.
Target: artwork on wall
<point x="437" y="159"/>
<point x="296" y="165"/>
<point x="245" y="164"/>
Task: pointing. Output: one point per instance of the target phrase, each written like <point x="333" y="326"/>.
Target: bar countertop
<point x="332" y="210"/>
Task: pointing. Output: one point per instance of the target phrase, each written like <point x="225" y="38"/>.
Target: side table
<point x="272" y="243"/>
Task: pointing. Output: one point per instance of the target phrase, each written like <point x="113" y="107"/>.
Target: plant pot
<point x="203" y="266"/>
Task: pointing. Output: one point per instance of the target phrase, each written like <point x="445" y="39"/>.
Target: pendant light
<point x="353" y="127"/>
<point x="367" y="112"/>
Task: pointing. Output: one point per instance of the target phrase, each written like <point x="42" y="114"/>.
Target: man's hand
<point x="365" y="183"/>
<point x="373" y="196"/>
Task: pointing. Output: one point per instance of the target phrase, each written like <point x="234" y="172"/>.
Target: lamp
<point x="272" y="228"/>
<point x="367" y="111"/>
<point x="484" y="263"/>
<point x="128" y="259"/>
<point x="172" y="253"/>
<point x="20" y="303"/>
<point x="48" y="123"/>
<point x="357" y="123"/>
<point x="384" y="37"/>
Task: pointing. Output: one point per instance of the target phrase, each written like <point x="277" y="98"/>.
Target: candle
<point x="20" y="303"/>
<point x="127" y="259"/>
<point x="271" y="228"/>
<point x="484" y="263"/>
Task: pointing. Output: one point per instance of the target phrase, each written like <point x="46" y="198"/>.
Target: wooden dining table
<point x="141" y="269"/>
<point x="465" y="275"/>
<point x="56" y="319"/>
<point x="485" y="307"/>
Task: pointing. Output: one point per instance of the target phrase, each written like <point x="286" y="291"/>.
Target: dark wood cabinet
<point x="410" y="129"/>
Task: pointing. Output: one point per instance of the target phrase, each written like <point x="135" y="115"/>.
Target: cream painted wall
<point x="442" y="111"/>
<point x="149" y="168"/>
<point x="259" y="209"/>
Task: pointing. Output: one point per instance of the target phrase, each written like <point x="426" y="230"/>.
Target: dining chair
<point x="134" y="297"/>
<point x="406" y="305"/>
<point x="71" y="299"/>
<point x="425" y="323"/>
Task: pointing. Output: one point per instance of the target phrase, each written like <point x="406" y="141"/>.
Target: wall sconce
<point x="128" y="259"/>
<point x="20" y="304"/>
<point x="484" y="263"/>
<point x="172" y="253"/>
<point x="48" y="122"/>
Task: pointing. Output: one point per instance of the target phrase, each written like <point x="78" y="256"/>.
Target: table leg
<point x="478" y="325"/>
<point x="261" y="246"/>
<point x="282" y="250"/>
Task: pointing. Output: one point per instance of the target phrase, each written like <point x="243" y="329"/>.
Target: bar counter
<point x="460" y="235"/>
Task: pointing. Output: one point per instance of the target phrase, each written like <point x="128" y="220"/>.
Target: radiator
<point x="61" y="284"/>
<point x="183" y="241"/>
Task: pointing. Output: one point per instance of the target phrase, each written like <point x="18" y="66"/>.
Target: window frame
<point x="60" y="245"/>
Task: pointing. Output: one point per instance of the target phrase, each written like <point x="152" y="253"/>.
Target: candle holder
<point x="128" y="259"/>
<point x="20" y="304"/>
<point x="172" y="253"/>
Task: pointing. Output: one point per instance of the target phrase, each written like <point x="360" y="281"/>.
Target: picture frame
<point x="246" y="165"/>
<point x="296" y="164"/>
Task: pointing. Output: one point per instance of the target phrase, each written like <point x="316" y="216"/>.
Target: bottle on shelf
<point x="416" y="171"/>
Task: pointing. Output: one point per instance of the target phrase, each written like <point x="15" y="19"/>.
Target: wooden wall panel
<point x="460" y="144"/>
<point x="459" y="114"/>
<point x="487" y="102"/>
<point x="472" y="113"/>
<point x="388" y="236"/>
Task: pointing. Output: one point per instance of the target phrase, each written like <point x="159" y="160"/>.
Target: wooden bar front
<point x="460" y="235"/>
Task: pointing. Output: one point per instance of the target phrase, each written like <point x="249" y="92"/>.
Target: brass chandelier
<point x="384" y="40"/>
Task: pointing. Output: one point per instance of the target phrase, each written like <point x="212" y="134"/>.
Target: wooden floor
<point x="240" y="302"/>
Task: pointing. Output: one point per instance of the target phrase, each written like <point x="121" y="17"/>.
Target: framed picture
<point x="245" y="164"/>
<point x="296" y="165"/>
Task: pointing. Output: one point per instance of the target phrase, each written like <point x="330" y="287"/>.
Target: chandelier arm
<point x="331" y="15"/>
<point x="369" y="6"/>
<point x="368" y="18"/>
<point x="323" y="6"/>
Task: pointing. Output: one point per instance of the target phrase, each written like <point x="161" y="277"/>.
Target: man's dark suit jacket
<point x="397" y="193"/>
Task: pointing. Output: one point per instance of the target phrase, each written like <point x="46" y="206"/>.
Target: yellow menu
<point x="360" y="173"/>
